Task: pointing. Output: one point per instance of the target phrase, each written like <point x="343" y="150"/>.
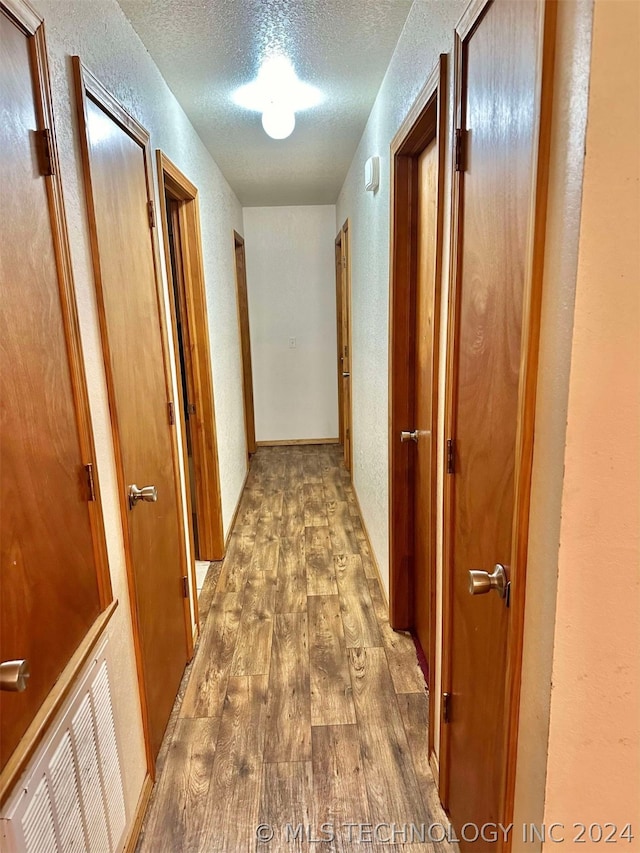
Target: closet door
<point x="54" y="581"/>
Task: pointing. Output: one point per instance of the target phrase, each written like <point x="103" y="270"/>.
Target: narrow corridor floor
<point x="304" y="715"/>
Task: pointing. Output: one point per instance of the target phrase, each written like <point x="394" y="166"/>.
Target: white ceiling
<point x="205" y="49"/>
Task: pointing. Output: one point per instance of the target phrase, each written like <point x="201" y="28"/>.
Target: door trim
<point x="343" y="251"/>
<point x="532" y="299"/>
<point x="245" y="349"/>
<point x="89" y="87"/>
<point x="205" y="443"/>
<point x="425" y="122"/>
<point x="31" y="24"/>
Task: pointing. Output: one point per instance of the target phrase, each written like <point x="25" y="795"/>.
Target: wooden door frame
<point x="527" y="396"/>
<point x="343" y="243"/>
<point x="89" y="87"/>
<point x="245" y="346"/>
<point x="338" y="262"/>
<point x="425" y="123"/>
<point x="172" y="182"/>
<point x="32" y="25"/>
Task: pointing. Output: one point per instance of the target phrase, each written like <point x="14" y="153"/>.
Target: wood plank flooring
<point x="302" y="709"/>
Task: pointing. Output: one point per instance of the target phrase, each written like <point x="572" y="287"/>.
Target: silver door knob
<point x="345" y="375"/>
<point x="146" y="493"/>
<point x="483" y="582"/>
<point x="14" y="675"/>
<point x="409" y="435"/>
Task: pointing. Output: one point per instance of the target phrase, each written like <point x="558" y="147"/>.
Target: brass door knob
<point x="14" y="675"/>
<point x="146" y="493"/>
<point x="483" y="582"/>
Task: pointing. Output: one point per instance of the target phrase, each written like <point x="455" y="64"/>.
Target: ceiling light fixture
<point x="278" y="95"/>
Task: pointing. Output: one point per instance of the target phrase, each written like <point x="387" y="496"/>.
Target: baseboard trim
<point x="290" y="442"/>
<point x="236" y="510"/>
<point x="138" y="818"/>
<point x="371" y="551"/>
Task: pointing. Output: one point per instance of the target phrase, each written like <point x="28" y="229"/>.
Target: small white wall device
<point x="372" y="174"/>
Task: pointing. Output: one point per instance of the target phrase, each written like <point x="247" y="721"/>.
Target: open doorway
<point x="343" y="313"/>
<point x="182" y="247"/>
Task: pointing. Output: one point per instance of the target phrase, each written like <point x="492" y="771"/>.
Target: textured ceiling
<point x="205" y="49"/>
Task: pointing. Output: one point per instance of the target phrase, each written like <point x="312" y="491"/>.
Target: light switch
<point x="292" y="343"/>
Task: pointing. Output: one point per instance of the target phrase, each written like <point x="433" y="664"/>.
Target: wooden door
<point x="245" y="343"/>
<point x="184" y="363"/>
<point x="498" y="259"/>
<point x="424" y="469"/>
<point x="338" y="260"/>
<point x="118" y="179"/>
<point x="54" y="579"/>
<point x="345" y="338"/>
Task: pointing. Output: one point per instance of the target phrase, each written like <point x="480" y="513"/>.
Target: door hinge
<point x="152" y="214"/>
<point x="191" y="408"/>
<point x="461" y="149"/>
<point x="46" y="157"/>
<point x="91" y="486"/>
<point x="185" y="587"/>
<point x="451" y="456"/>
<point x="171" y="412"/>
<point x="446" y="707"/>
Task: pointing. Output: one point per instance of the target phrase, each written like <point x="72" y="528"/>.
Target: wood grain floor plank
<point x="321" y="574"/>
<point x="253" y="645"/>
<point x="204" y="696"/>
<point x="176" y="819"/>
<point x="208" y="591"/>
<point x="292" y="523"/>
<point x="233" y="799"/>
<point x="249" y="510"/>
<point x="343" y="538"/>
<point x="358" y="615"/>
<point x="291" y="591"/>
<point x="315" y="507"/>
<point x="399" y="647"/>
<point x="331" y="694"/>
<point x="339" y="788"/>
<point x="288" y="722"/>
<point x="266" y="549"/>
<point x="332" y="484"/>
<point x="392" y="787"/>
<point x="236" y="562"/>
<point x="286" y="803"/>
<point x="312" y="467"/>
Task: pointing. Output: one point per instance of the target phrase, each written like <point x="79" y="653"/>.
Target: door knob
<point x="483" y="582"/>
<point x="14" y="675"/>
<point x="407" y="435"/>
<point x="146" y="493"/>
<point x="345" y="375"/>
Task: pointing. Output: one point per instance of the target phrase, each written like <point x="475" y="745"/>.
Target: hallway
<point x="301" y="706"/>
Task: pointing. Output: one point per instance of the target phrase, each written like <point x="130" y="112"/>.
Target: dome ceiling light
<point x="278" y="94"/>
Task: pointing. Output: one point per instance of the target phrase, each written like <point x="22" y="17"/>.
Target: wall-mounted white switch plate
<point x="292" y="343"/>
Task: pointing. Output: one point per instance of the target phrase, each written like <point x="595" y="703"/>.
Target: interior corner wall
<point x="105" y="41"/>
<point x="593" y="763"/>
<point x="291" y="287"/>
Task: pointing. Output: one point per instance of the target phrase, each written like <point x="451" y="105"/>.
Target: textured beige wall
<point x="101" y="35"/>
<point x="593" y="770"/>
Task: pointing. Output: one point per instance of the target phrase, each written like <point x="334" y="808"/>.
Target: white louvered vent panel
<point x="70" y="799"/>
<point x="67" y="812"/>
<point x="84" y="742"/>
<point x="108" y="752"/>
<point x="37" y="821"/>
